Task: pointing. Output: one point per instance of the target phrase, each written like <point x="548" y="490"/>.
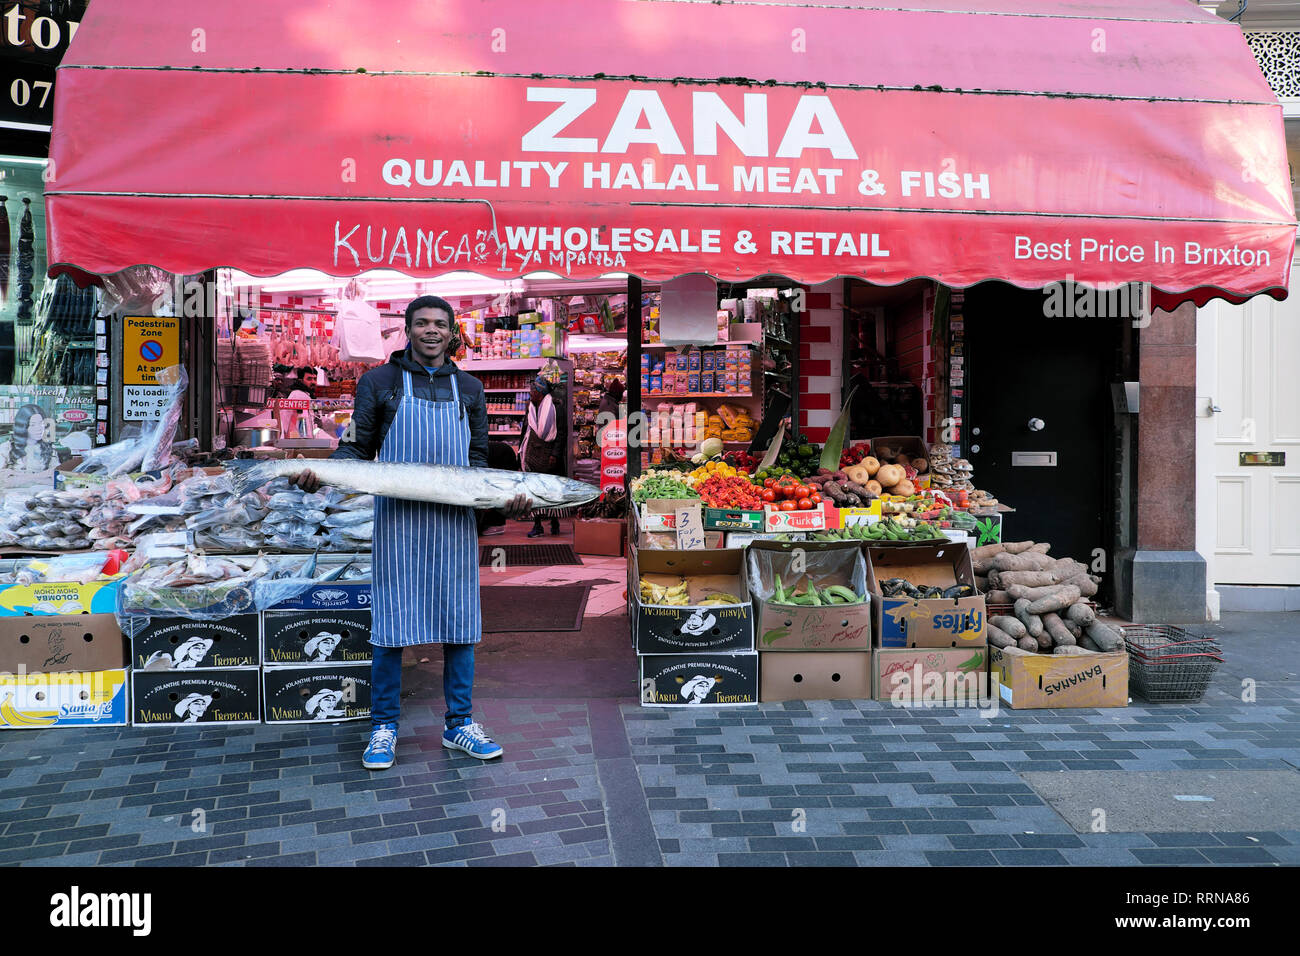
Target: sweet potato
<point x="1028" y="644"/>
<point x="1041" y="547"/>
<point x="1012" y="626"/>
<point x="996" y="596"/>
<point x="1074" y="627"/>
<point x="1080" y="614"/>
<point x="1027" y="561"/>
<point x="1087" y="643"/>
<point x="1030" y="579"/>
<point x="986" y="551"/>
<point x="1015" y="650"/>
<point x="1033" y="623"/>
<point x="1017" y="547"/>
<point x="1055" y="627"/>
<point x="982" y="565"/>
<point x="1062" y="596"/>
<point x="999" y="638"/>
<point x="1072" y="650"/>
<point x="1084" y="582"/>
<point x="1104" y="636"/>
<point x="981" y="584"/>
<point x="904" y="487"/>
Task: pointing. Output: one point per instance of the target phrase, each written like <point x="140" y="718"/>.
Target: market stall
<point x="896" y="165"/>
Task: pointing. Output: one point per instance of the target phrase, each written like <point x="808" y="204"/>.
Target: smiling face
<point x="430" y="333"/>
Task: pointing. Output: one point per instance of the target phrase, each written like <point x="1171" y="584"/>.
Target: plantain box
<point x="66" y="699"/>
<point x="229" y="695"/>
<point x="789" y="627"/>
<point x="314" y="695"/>
<point x="929" y="622"/>
<point x="691" y="628"/>
<point x="1046" y="681"/>
<point x="699" y="680"/>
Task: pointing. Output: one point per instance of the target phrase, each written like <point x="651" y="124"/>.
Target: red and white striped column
<point x="821" y="359"/>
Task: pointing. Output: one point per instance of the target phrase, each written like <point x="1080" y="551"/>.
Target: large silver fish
<point x="442" y="484"/>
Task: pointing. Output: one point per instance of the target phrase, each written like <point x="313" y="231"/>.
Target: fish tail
<point x="249" y="474"/>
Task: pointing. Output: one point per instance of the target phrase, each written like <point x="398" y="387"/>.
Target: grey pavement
<point x="603" y="782"/>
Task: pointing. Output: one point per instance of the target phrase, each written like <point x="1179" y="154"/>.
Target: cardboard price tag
<point x="690" y="528"/>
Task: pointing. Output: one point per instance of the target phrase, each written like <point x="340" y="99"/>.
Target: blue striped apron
<point x="425" y="555"/>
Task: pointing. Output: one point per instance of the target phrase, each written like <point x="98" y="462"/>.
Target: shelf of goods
<point x="591" y="370"/>
<point x="506" y="384"/>
<point x="731" y="416"/>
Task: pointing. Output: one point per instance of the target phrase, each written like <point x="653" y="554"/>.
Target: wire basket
<point x="1167" y="663"/>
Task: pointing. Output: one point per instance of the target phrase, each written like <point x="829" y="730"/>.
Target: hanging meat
<point x="26" y="264"/>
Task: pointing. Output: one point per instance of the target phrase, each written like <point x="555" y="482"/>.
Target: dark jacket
<point x="380" y="390"/>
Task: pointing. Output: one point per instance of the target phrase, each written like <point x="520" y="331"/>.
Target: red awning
<point x="1110" y="141"/>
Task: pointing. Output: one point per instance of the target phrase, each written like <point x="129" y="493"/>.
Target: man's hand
<point x="306" y="480"/>
<point x="519" y="506"/>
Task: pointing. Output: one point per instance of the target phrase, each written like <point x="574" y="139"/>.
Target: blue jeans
<point x="457" y="684"/>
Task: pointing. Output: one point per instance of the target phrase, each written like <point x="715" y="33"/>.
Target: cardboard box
<point x="230" y="695"/>
<point x="699" y="680"/>
<point x="934" y="622"/>
<point x="913" y="446"/>
<point x="786" y="627"/>
<point x="1047" y="681"/>
<point x="731" y="519"/>
<point x="180" y="644"/>
<point x="98" y="597"/>
<point x="660" y="514"/>
<point x="315" y="638"/>
<point x="940" y="677"/>
<point x="599" y="536"/>
<point x="851" y="516"/>
<point x="818" y="519"/>
<point x="73" y="642"/>
<point x="692" y="628"/>
<point x="316" y="695"/>
<point x="69" y="699"/>
<point x="742" y="539"/>
<point x="840" y="675"/>
<point x="334" y="596"/>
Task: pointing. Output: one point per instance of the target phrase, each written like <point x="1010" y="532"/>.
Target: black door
<point x="1021" y="366"/>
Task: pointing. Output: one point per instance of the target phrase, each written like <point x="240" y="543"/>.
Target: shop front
<point x="915" y="203"/>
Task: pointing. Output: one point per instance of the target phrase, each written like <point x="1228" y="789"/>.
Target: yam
<point x="1014" y="650"/>
<point x="872" y="466"/>
<point x="999" y="638"/>
<point x="1104" y="636"/>
<point x="1013" y="626"/>
<point x="1084" y="582"/>
<point x="981" y="584"/>
<point x="986" y="551"/>
<point x="1074" y="627"/>
<point x="1030" y="579"/>
<point x="1042" y="547"/>
<point x="1028" y="644"/>
<point x="1017" y="547"/>
<point x="982" y="565"/>
<point x="1072" y="650"/>
<point x="1087" y="643"/>
<point x="1023" y="562"/>
<point x="1033" y="623"/>
<point x="996" y="596"/>
<point x="1065" y="568"/>
<point x="1080" y="614"/>
<point x="1056" y="628"/>
<point x="1062" y="596"/>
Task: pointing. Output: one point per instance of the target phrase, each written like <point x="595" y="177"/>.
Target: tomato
<point x="802" y="491"/>
<point x="788" y="505"/>
<point x="768" y="482"/>
<point x="769" y="495"/>
<point x="805" y="504"/>
<point x="816" y="497"/>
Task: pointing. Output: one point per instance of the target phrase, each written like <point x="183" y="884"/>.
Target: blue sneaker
<point x="472" y="739"/>
<point x="381" y="752"/>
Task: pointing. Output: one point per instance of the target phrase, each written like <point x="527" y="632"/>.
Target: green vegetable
<point x="780" y="591"/>
<point x="812" y="592"/>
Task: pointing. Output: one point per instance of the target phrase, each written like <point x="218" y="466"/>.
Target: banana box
<point x="98" y="597"/>
<point x="699" y="680"/>
<point x="781" y="572"/>
<point x="316" y="695"/>
<point x="223" y="695"/>
<point x="933" y="676"/>
<point x="690" y="602"/>
<point x="71" y="699"/>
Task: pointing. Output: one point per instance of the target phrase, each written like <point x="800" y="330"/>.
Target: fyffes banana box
<point x="71" y="699"/>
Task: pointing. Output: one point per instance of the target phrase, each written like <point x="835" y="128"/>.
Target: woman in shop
<point x="611" y="400"/>
<point x="541" y="447"/>
<point x="419" y="407"/>
<point x="28" y="449"/>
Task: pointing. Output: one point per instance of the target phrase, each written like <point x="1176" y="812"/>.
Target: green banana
<point x="812" y="592"/>
<point x="780" y="591"/>
<point x="841" y="591"/>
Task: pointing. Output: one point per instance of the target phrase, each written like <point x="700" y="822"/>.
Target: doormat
<point x="526" y="555"/>
<point x="516" y="607"/>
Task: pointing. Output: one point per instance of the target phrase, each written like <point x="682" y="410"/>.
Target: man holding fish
<point x="420" y="408"/>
